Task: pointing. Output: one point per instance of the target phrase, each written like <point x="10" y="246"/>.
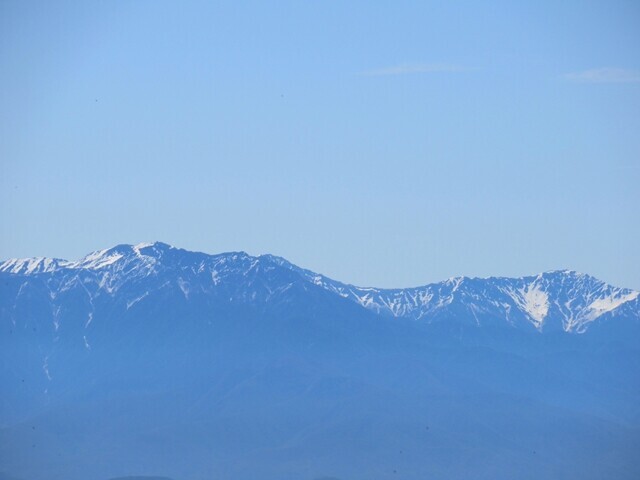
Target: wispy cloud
<point x="413" y="68"/>
<point x="604" y="75"/>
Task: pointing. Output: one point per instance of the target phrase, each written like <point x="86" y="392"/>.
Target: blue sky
<point x="381" y="143"/>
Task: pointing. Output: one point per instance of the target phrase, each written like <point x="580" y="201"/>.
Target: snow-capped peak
<point x="98" y="259"/>
<point x="28" y="266"/>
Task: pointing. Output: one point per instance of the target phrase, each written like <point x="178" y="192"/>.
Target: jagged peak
<point x="564" y="273"/>
<point x="276" y="259"/>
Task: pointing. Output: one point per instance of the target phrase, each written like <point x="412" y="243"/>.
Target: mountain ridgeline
<point x="564" y="300"/>
<point x="152" y="360"/>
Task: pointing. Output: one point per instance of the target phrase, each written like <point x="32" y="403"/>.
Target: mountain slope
<point x="567" y="298"/>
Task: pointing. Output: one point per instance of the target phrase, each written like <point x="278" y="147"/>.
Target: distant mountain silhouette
<point x="233" y="367"/>
<point x="558" y="300"/>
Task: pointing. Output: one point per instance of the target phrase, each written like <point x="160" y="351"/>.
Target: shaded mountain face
<point x="152" y="360"/>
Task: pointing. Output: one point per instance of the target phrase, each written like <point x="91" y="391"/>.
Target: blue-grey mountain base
<point x="150" y="361"/>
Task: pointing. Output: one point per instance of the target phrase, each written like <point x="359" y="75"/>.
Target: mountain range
<point x="152" y="360"/>
<point x="562" y="299"/>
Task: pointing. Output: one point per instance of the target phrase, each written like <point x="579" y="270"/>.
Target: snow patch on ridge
<point x="45" y="368"/>
<point x="99" y="259"/>
<point x="534" y="302"/>
<point x="131" y="303"/>
<point x="142" y="245"/>
<point x="184" y="287"/>
<point x="27" y="266"/>
<point x="608" y="304"/>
